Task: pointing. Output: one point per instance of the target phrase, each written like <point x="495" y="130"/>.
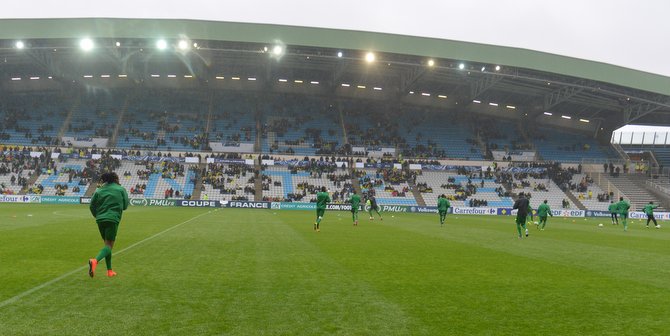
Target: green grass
<point x="260" y="272"/>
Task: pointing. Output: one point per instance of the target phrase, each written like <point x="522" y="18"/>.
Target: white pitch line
<point x="53" y="281"/>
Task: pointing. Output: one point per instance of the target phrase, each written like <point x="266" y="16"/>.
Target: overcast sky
<point x="634" y="34"/>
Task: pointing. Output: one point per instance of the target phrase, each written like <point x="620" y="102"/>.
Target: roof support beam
<point x="483" y="84"/>
<point x="556" y="97"/>
<point x="637" y="111"/>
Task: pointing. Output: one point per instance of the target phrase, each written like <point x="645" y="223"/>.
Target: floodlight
<point x="548" y="113"/>
<point x="183" y="45"/>
<point x="566" y="117"/>
<point x="431" y="62"/>
<point x="483" y="68"/>
<point x="370" y="57"/>
<point x="118" y="44"/>
<point x="161" y="44"/>
<point x="497" y="67"/>
<point x="86" y="44"/>
<point x="278" y="50"/>
<point x="20" y="45"/>
<point x="461" y="66"/>
<point x="339" y="54"/>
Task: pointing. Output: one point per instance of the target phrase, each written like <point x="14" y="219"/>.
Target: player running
<point x="523" y="209"/>
<point x="649" y="211"/>
<point x="622" y="208"/>
<point x="372" y="203"/>
<point x="355" y="201"/>
<point x="542" y="212"/>
<point x="322" y="199"/>
<point x="442" y="207"/>
<point x="613" y="212"/>
<point x="107" y="206"/>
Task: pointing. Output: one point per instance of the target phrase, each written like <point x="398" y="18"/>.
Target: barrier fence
<point x="155" y="202"/>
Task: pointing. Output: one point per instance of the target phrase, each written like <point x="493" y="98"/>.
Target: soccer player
<point x="322" y="199"/>
<point x="613" y="212"/>
<point x="649" y="211"/>
<point x="623" y="207"/>
<point x="542" y="212"/>
<point x="442" y="207"/>
<point x="355" y="201"/>
<point x="107" y="206"/>
<point x="523" y="208"/>
<point x="372" y="202"/>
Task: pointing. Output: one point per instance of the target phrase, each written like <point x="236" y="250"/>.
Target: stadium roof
<point x="535" y="82"/>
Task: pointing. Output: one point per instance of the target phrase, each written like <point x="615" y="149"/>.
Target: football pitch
<point x="194" y="271"/>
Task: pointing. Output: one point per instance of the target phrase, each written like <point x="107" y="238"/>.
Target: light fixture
<point x="20" y="45"/>
<point x="548" y="113"/>
<point x="283" y="80"/>
<point x="183" y="45"/>
<point x="155" y="76"/>
<point x="298" y="81"/>
<point x="105" y="76"/>
<point x="251" y="78"/>
<point x="345" y="85"/>
<point x="235" y="78"/>
<point x="172" y="76"/>
<point x="483" y="68"/>
<point x="566" y="117"/>
<point x="477" y="101"/>
<point x="377" y="88"/>
<point x="339" y="54"/>
<point x="86" y="44"/>
<point x="123" y="76"/>
<point x="278" y="50"/>
<point x="219" y="77"/>
<point x="511" y="107"/>
<point x="431" y="62"/>
<point x="314" y="82"/>
<point x="426" y="94"/>
<point x="370" y="57"/>
<point x="118" y="44"/>
<point x="34" y="77"/>
<point x="16" y="78"/>
<point x="442" y="96"/>
<point x="88" y="76"/>
<point x="584" y="120"/>
<point x="497" y="67"/>
<point x="461" y="66"/>
<point x="493" y="104"/>
<point x="161" y="44"/>
<point x="190" y="76"/>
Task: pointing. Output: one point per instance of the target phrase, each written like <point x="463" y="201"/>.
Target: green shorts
<point x="320" y="212"/>
<point x="520" y="220"/>
<point x="108" y="230"/>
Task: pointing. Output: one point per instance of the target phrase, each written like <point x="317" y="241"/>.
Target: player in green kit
<point x="107" y="206"/>
<point x="442" y="207"/>
<point x="372" y="203"/>
<point x="322" y="199"/>
<point x="649" y="211"/>
<point x="355" y="201"/>
<point x="523" y="210"/>
<point x="613" y="212"/>
<point x="542" y="212"/>
<point x="623" y="207"/>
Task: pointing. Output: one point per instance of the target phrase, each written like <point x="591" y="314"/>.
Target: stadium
<point x="230" y="135"/>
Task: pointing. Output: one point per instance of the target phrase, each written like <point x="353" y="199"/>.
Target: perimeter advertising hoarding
<point x="20" y="199"/>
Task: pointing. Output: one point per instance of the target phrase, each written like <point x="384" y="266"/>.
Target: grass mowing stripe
<point x="50" y="282"/>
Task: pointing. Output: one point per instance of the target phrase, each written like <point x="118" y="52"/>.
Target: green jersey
<point x="623" y="207"/>
<point x="322" y="198"/>
<point x="649" y="209"/>
<point x="543" y="210"/>
<point x="108" y="203"/>
<point x="355" y="201"/>
<point x="443" y="204"/>
<point x="613" y="208"/>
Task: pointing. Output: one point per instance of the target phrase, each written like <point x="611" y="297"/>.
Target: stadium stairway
<point x="197" y="190"/>
<point x="575" y="200"/>
<point x="417" y="194"/>
<point x="258" y="181"/>
<point x="33" y="178"/>
<point x="634" y="187"/>
<point x="354" y="180"/>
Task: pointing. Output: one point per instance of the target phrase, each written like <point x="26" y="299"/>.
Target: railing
<point x="620" y="151"/>
<point x="658" y="187"/>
